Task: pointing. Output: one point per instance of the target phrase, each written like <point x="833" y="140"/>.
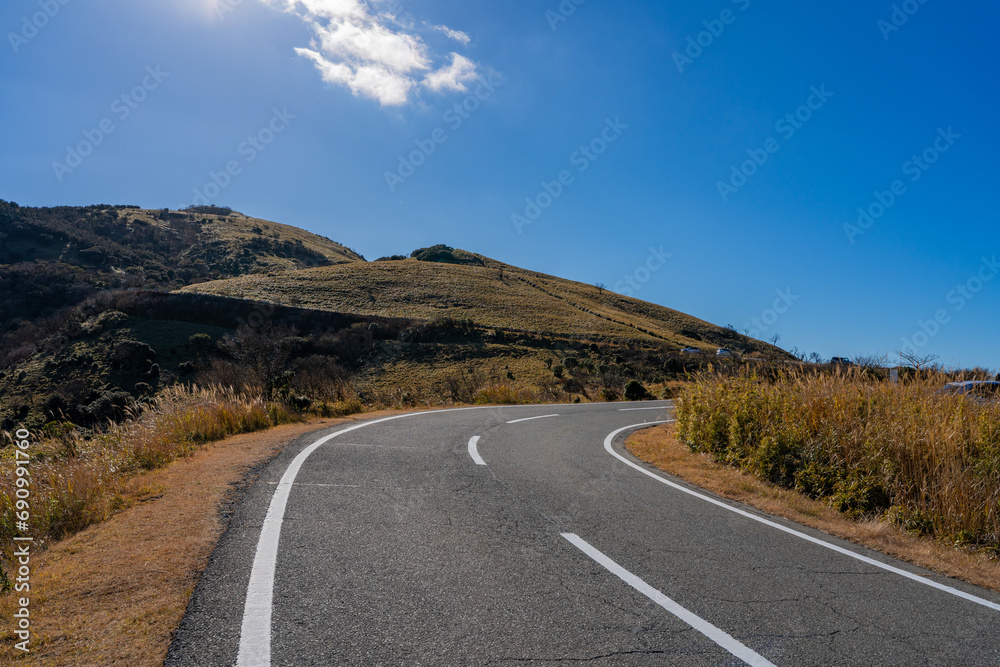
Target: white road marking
<point x="255" y="633"/>
<point x="721" y="638"/>
<point x="808" y="538"/>
<point x="474" y="453"/>
<point x="661" y="407"/>
<point x="528" y="419"/>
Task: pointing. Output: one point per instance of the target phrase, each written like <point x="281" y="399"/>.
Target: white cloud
<point x="373" y="81"/>
<point x="454" y="76"/>
<point x="456" y="35"/>
<point x="375" y="54"/>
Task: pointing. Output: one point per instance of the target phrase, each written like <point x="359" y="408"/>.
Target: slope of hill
<point x="87" y="325"/>
<point x="491" y="295"/>
<point x="51" y="258"/>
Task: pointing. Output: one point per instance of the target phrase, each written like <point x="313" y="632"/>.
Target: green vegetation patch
<point x="446" y="255"/>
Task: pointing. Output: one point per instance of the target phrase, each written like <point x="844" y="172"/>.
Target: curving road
<point x="527" y="534"/>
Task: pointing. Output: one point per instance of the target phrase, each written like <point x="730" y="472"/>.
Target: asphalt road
<point x="397" y="547"/>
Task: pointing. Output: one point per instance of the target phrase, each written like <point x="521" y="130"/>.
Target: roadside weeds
<point x="115" y="593"/>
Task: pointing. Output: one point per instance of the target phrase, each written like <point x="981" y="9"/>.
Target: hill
<point x="490" y="293"/>
<point x="91" y="328"/>
<point x="51" y="258"/>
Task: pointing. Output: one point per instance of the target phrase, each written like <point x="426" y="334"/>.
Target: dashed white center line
<point x="474" y="453"/>
<point x="528" y="419"/>
<point x="723" y="639"/>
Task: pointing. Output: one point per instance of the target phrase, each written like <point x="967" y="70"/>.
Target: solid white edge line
<point x="808" y="538"/>
<point x="255" y="631"/>
<point x="528" y="419"/>
<point x="474" y="453"/>
<point x="718" y="636"/>
<point x="661" y="407"/>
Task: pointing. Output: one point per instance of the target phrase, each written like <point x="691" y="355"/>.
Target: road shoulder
<point x="116" y="592"/>
<point x="660" y="447"/>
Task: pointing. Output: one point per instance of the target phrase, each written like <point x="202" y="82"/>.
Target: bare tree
<point x="917" y="360"/>
<point x="262" y="352"/>
<point x="872" y="360"/>
<point x="600" y="287"/>
<point x="773" y="340"/>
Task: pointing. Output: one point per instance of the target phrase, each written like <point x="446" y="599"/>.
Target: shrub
<point x="445" y="254"/>
<point x="77" y="482"/>
<point x="928" y="461"/>
<point x="634" y="391"/>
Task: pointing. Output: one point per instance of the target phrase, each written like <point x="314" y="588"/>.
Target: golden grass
<point x="76" y="483"/>
<point x="114" y="593"/>
<point x="927" y="461"/>
<point x="495" y="295"/>
<point x="235" y="230"/>
<point x="661" y="447"/>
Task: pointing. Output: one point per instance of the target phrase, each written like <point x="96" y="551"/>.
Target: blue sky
<point x="712" y="155"/>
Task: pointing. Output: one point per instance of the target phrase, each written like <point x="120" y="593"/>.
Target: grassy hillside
<point x="52" y="258"/>
<point x="89" y="327"/>
<point x="492" y="295"/>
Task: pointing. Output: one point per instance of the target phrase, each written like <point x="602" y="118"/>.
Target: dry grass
<point x="235" y="230"/>
<point x="114" y="593"/>
<point x="661" y="447"/>
<point x="494" y="295"/>
<point x="924" y="460"/>
<point x="77" y="482"/>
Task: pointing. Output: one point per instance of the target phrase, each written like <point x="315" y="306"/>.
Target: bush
<point x="634" y="391"/>
<point x="872" y="448"/>
<point x="77" y="482"/>
<point x="445" y="254"/>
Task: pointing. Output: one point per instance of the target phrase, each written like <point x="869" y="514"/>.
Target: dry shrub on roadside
<point x="504" y="394"/>
<point x="75" y="482"/>
<point x="930" y="462"/>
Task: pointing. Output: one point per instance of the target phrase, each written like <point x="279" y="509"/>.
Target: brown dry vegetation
<point x="493" y="295"/>
<point x="661" y="447"/>
<point x="236" y="230"/>
<point x="114" y="593"/>
<point x="929" y="461"/>
<point x="77" y="482"/>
